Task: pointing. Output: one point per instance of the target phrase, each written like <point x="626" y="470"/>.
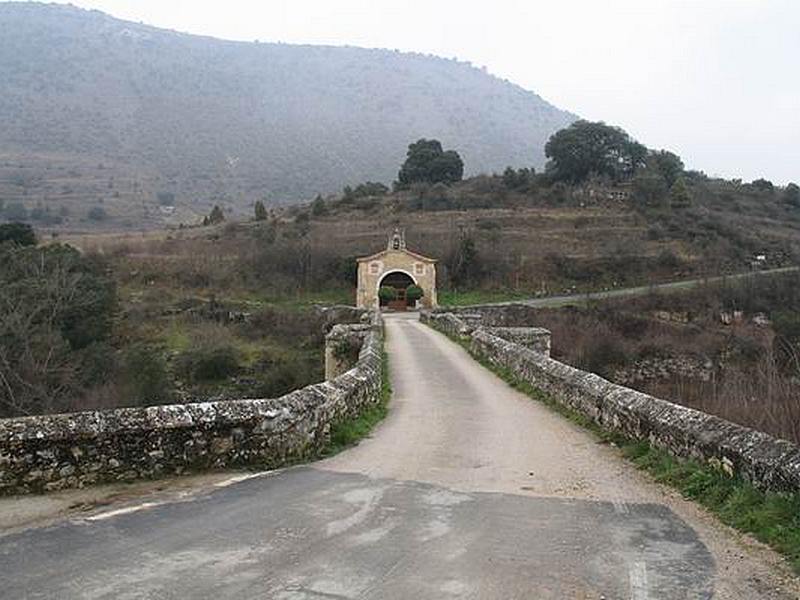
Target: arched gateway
<point x="397" y="268"/>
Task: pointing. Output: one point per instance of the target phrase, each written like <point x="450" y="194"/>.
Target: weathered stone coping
<point x="53" y="452"/>
<point x="767" y="462"/>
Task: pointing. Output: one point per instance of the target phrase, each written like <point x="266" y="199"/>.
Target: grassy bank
<point x="772" y="518"/>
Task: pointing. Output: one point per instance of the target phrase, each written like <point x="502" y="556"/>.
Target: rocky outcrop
<point x="39" y="454"/>
<point x="767" y="462"/>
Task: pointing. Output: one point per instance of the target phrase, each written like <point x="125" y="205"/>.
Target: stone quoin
<point x="396" y="267"/>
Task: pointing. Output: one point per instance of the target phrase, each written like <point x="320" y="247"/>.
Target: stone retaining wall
<point x="767" y="462"/>
<point x="39" y="454"/>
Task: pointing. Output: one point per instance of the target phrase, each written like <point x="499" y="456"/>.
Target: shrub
<point x="282" y="378"/>
<point x="145" y="375"/>
<point x="211" y="356"/>
<point x="387" y="294"/>
<point x="414" y="293"/>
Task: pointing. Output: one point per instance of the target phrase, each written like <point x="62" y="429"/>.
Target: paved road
<point x="467" y="490"/>
<point x="555" y="301"/>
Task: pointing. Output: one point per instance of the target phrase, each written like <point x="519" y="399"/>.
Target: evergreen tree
<point x="679" y="196"/>
<point x="260" y="211"/>
<point x="318" y="207"/>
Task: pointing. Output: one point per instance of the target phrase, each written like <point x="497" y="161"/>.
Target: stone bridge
<point x="468" y="489"/>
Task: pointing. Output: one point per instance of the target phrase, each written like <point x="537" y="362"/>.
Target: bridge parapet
<point x="53" y="452"/>
<point x="767" y="462"/>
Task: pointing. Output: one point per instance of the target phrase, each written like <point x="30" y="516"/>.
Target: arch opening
<point x="399" y="281"/>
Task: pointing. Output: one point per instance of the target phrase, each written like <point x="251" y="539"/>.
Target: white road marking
<point x="181" y="496"/>
<point x="238" y="478"/>
<point x="620" y="507"/>
<point x="122" y="511"/>
<point x="637" y="573"/>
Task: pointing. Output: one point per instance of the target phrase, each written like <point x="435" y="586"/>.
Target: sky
<point x="716" y="81"/>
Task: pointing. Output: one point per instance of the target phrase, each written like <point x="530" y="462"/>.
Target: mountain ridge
<point x="214" y="120"/>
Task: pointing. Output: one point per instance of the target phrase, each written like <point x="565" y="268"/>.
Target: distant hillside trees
<point x="18" y="234"/>
<point x="363" y="190"/>
<point x="791" y="195"/>
<point x="427" y="162"/>
<point x="667" y="164"/>
<point x="649" y="188"/>
<point x="679" y="194"/>
<point x="519" y="179"/>
<point x="585" y="148"/>
<point x="260" y="211"/>
<point x="463" y="263"/>
<point x="215" y="217"/>
<point x="763" y="185"/>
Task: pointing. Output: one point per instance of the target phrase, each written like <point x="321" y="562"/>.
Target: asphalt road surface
<point x="467" y="490"/>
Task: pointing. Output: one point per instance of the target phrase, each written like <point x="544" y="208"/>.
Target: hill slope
<point x="139" y="110"/>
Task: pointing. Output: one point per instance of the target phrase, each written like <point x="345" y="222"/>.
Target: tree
<point x="387" y="294"/>
<point x="216" y="216"/>
<point x="19" y="234"/>
<point x="668" y="164"/>
<point x="318" y="207"/>
<point x="426" y="162"/>
<point x="518" y="178"/>
<point x="586" y="147"/>
<point x="260" y="211"/>
<point x="763" y="185"/>
<point x="56" y="306"/>
<point x="679" y="196"/>
<point x="414" y="293"/>
<point x="791" y="195"/>
<point x="464" y="265"/>
<point x="649" y="188"/>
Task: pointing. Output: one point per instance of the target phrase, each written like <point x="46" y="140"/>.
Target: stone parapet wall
<point x="512" y="314"/>
<point x="39" y="454"/>
<point x="447" y="323"/>
<point x="767" y="462"/>
<point x="340" y="342"/>
<point x="534" y="338"/>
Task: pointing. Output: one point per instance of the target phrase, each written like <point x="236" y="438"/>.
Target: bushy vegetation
<point x="212" y="355"/>
<point x="56" y="311"/>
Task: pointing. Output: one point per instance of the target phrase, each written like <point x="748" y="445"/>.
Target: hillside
<point x="99" y="111"/>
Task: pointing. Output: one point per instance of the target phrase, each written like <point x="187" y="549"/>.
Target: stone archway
<point x="399" y="280"/>
<point x="377" y="269"/>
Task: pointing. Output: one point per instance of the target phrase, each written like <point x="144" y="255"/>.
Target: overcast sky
<point x="717" y="81"/>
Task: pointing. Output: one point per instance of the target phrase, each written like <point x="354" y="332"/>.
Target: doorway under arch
<point x="399" y="280"/>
